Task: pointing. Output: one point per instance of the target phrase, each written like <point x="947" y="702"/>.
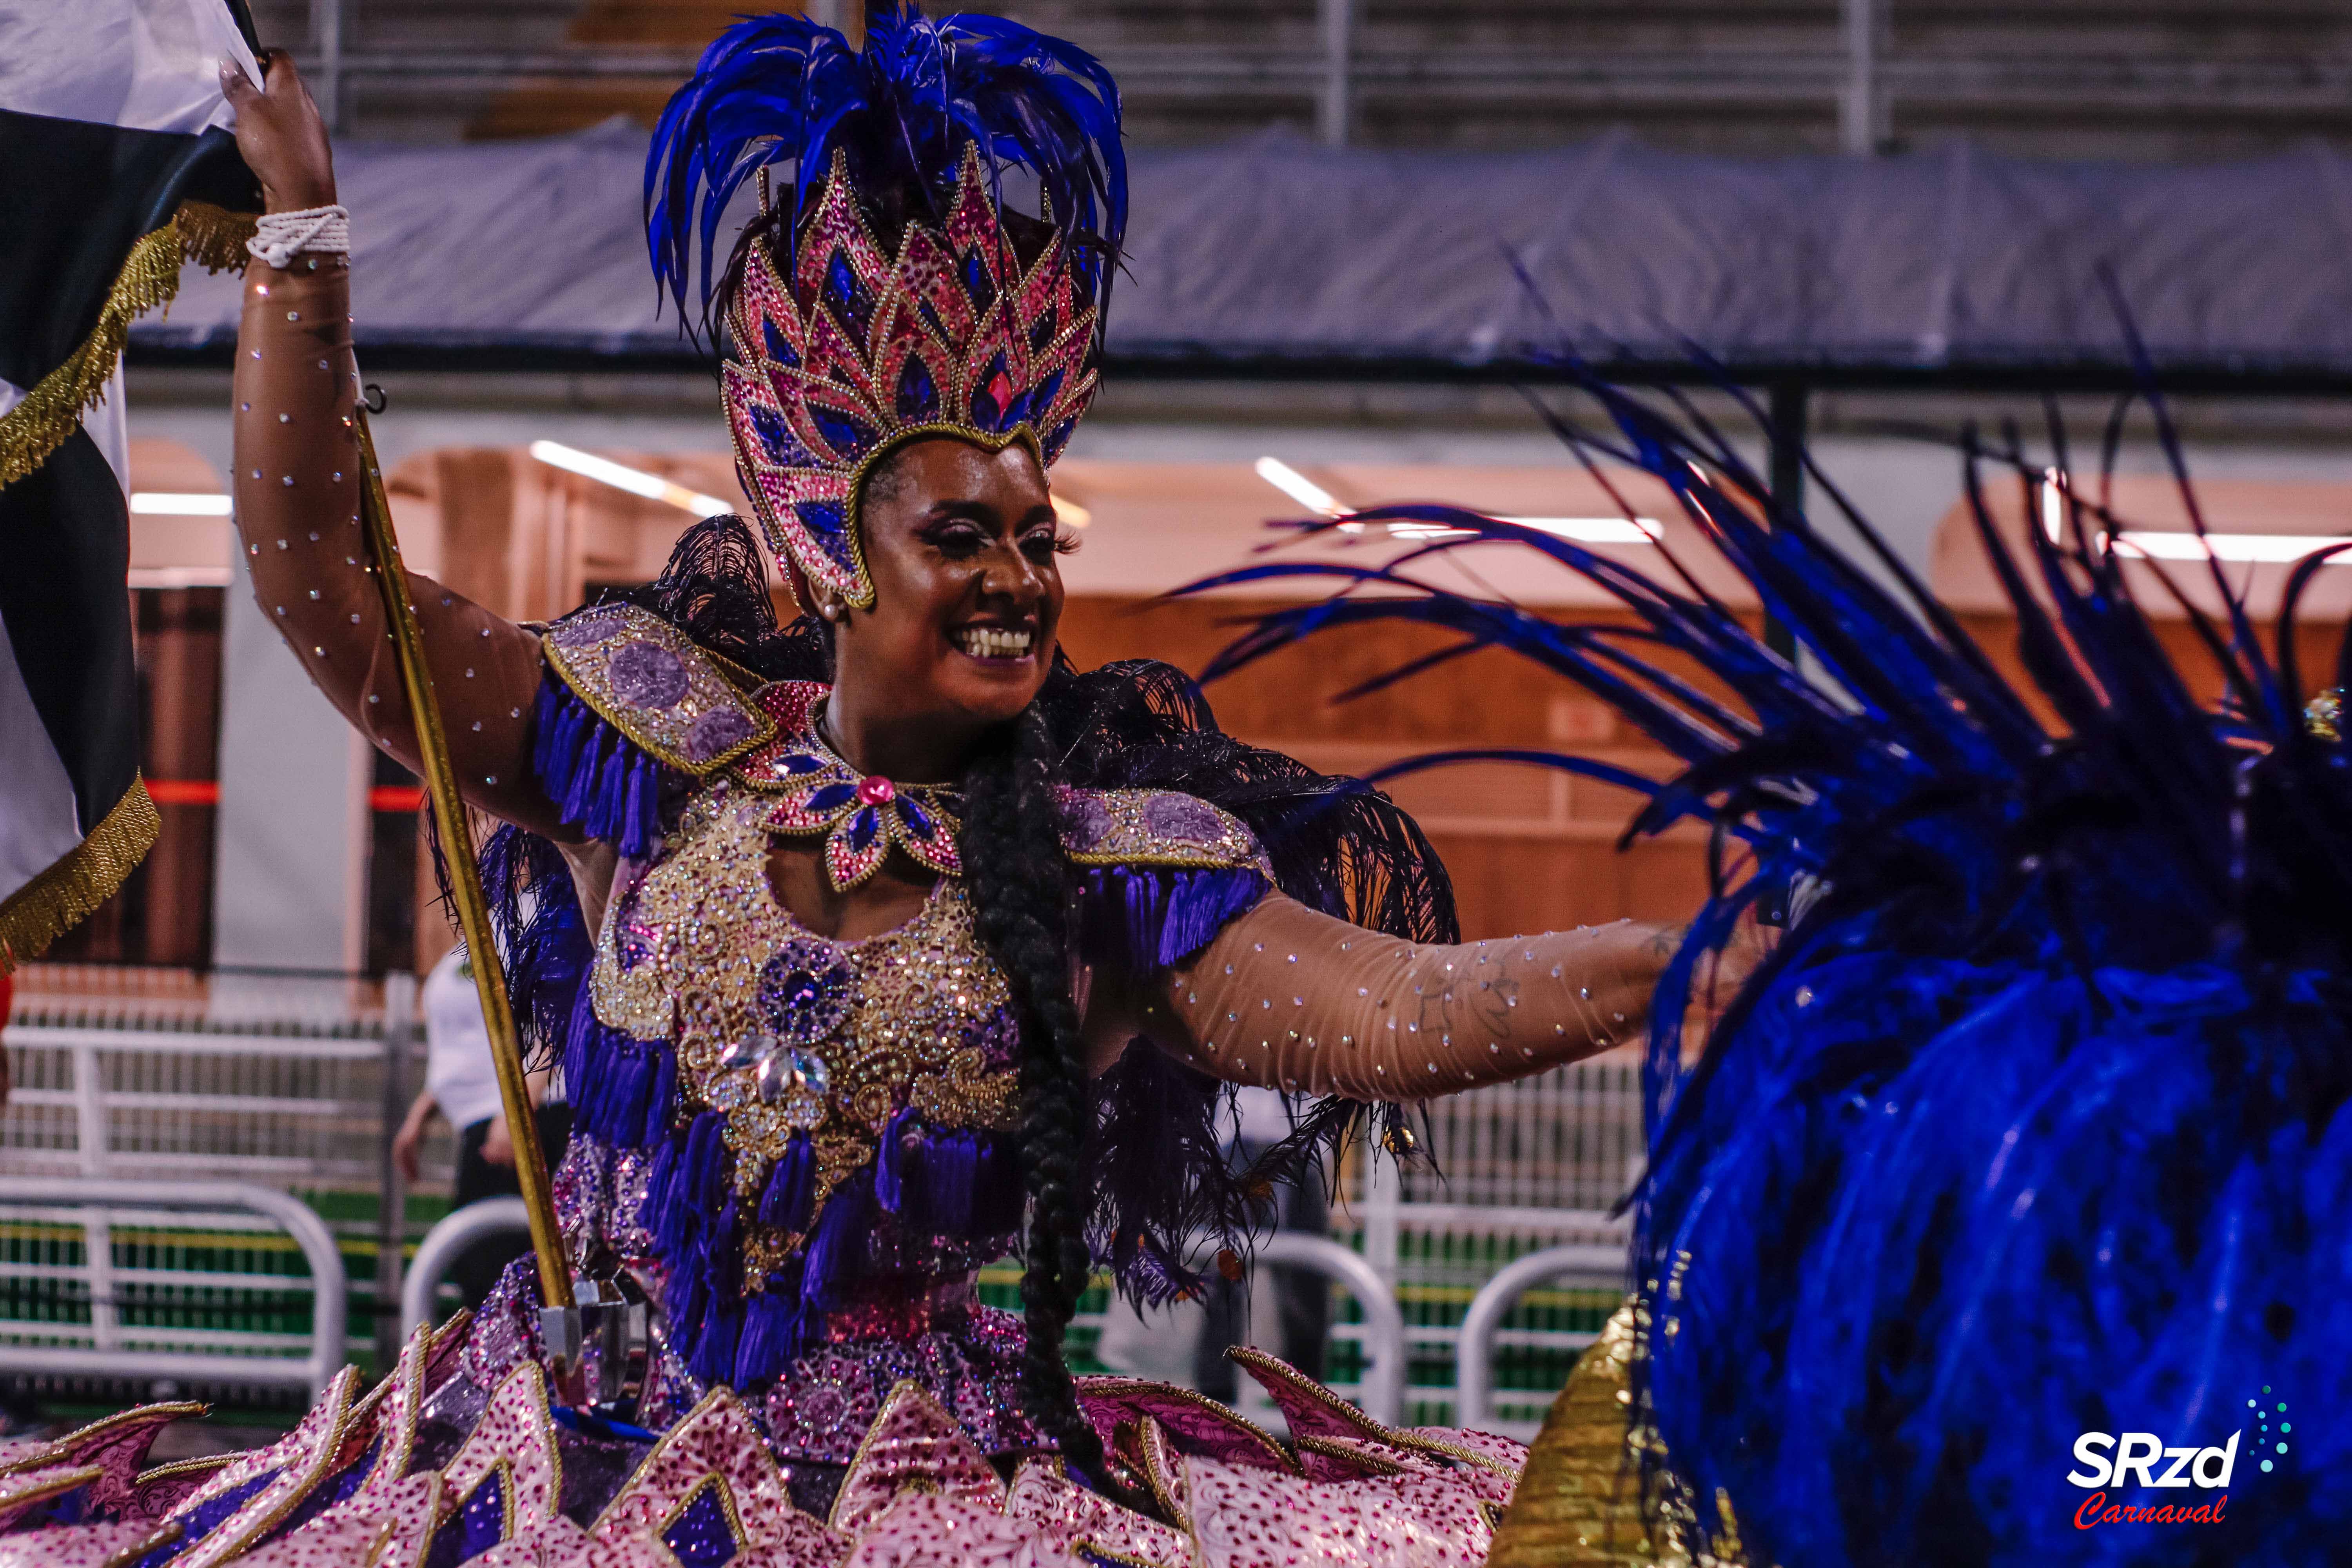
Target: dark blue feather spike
<point x="779" y="91"/>
<point x="2036" y="1123"/>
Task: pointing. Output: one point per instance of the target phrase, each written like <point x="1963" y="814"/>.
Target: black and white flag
<point x="116" y="166"/>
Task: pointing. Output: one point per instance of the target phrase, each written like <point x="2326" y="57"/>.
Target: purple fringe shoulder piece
<point x="1149" y="917"/>
<point x="599" y="780"/>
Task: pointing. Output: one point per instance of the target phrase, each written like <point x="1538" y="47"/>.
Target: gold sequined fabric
<point x="1581" y="1502"/>
<point x="786" y="1032"/>
<point x="2323" y="715"/>
<point x="1157" y="829"/>
<point x="673" y="700"/>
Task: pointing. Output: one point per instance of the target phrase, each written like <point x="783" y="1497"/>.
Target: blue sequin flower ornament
<point x="862" y="815"/>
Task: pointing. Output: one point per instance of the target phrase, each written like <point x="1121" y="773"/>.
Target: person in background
<point x="1302" y="1298"/>
<point x="1185" y="1341"/>
<point x="461" y="1085"/>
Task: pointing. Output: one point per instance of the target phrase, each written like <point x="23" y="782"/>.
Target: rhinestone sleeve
<point x="298" y="483"/>
<point x="1290" y="998"/>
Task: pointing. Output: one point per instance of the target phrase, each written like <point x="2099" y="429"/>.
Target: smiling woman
<point x="961" y="543"/>
<point x="874" y="946"/>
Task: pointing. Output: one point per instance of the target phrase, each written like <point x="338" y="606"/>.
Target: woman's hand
<point x="280" y="135"/>
<point x="412" y="1133"/>
<point x="498" y="1143"/>
<point x="1720" y="977"/>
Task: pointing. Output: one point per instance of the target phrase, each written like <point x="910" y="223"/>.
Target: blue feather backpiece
<point x="2033" y="1124"/>
<point x="778" y="90"/>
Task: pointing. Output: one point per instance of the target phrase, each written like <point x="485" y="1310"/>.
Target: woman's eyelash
<point x="962" y="539"/>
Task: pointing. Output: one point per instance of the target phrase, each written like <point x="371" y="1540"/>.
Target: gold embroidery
<point x="1155" y="827"/>
<point x="85" y="877"/>
<point x="675" y="701"/>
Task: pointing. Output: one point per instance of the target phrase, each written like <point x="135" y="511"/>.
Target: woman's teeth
<point x="992" y="642"/>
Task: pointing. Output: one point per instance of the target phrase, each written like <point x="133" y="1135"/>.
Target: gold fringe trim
<point x="51" y="412"/>
<point x="213" y="237"/>
<point x="62" y="897"/>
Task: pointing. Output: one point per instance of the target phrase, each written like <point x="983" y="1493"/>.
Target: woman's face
<point x="961" y="547"/>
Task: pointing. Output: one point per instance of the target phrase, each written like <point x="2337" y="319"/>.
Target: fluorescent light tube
<point x="1298" y="486"/>
<point x="171" y="503"/>
<point x="1596" y="530"/>
<point x="621" y="476"/>
<point x="2168" y="545"/>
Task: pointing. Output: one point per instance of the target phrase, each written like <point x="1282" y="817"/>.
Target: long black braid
<point x="1019" y="883"/>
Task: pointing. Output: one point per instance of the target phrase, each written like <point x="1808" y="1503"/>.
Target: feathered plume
<point x="2034" y="1124"/>
<point x="779" y="91"/>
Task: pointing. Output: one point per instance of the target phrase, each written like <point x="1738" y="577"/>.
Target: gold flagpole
<point x="560" y="1321"/>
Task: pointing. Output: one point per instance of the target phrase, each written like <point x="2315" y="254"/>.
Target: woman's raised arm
<point x="298" y="497"/>
<point x="1292" y="999"/>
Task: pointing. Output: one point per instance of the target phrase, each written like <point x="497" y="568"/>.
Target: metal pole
<point x="327" y="34"/>
<point x="1790" y="411"/>
<point x="392" y="1220"/>
<point x="1860" y="113"/>
<point x="1333" y="111"/>
<point x="98" y="1253"/>
<point x="442" y="1246"/>
<point x="1383" y="1192"/>
<point x="89" y="1108"/>
<point x="559" y="1316"/>
<point x="1384" y="1385"/>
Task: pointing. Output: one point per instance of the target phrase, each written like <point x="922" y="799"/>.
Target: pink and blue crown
<point x="840" y="348"/>
<point x="860" y="352"/>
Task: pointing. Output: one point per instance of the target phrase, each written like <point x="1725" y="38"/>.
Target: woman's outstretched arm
<point x="298" y="498"/>
<point x="1292" y="999"/>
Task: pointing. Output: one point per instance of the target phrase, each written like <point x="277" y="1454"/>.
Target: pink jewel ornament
<point x="876" y="790"/>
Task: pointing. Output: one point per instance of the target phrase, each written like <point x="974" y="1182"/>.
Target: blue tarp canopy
<point x="1281" y="256"/>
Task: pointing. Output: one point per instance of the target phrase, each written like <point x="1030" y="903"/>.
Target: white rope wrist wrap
<point x="278" y="236"/>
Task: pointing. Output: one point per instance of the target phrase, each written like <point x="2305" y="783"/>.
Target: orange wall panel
<point x="1529" y="849"/>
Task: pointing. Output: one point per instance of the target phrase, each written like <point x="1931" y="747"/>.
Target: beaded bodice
<point x="787" y="1035"/>
<point x="810" y="1129"/>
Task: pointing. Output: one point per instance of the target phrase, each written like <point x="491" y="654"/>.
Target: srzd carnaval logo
<point x="2143" y="1459"/>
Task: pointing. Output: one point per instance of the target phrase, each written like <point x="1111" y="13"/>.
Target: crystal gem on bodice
<point x="751" y="1050"/>
<point x="793" y="1074"/>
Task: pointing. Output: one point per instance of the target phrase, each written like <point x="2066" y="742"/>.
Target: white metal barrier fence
<point x="164" y="1281"/>
<point x="1508" y="1171"/>
<point x="304" y="1110"/>
<point x="306" y="1098"/>
<point x="1603" y="1268"/>
<point x="157" y="1077"/>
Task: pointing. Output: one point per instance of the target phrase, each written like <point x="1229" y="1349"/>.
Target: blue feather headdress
<point x="779" y="91"/>
<point x="2034" y="1125"/>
